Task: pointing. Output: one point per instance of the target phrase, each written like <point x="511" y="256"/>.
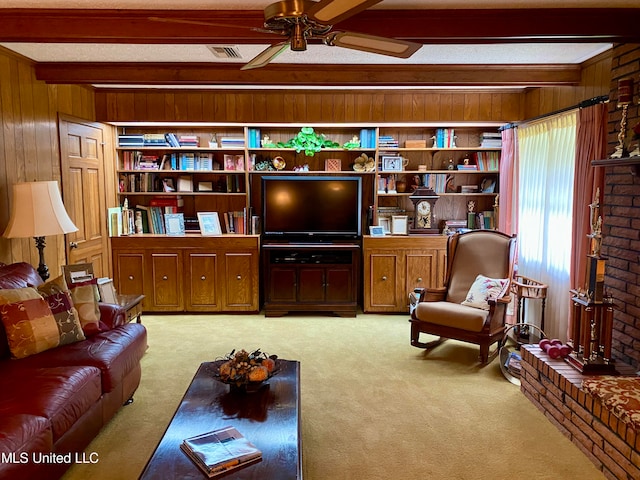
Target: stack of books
<point x="232" y="142"/>
<point x="188" y="140"/>
<point x="220" y="451"/>
<point x="154" y="140"/>
<point x="387" y="141"/>
<point x="135" y="140"/>
<point x="491" y="140"/>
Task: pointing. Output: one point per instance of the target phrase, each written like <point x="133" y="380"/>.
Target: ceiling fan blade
<point x="264" y="57"/>
<point x="334" y="11"/>
<point x="198" y="22"/>
<point x="374" y="44"/>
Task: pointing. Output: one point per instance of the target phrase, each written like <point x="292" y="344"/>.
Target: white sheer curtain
<point x="547" y="163"/>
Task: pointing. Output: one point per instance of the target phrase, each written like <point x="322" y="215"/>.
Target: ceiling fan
<point x="303" y="20"/>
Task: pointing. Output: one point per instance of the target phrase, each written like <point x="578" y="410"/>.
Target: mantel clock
<point x="424" y="220"/>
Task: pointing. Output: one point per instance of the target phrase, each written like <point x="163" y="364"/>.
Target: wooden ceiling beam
<point x="312" y="75"/>
<point x="426" y="26"/>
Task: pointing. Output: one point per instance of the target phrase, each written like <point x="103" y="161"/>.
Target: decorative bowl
<point x="247" y="371"/>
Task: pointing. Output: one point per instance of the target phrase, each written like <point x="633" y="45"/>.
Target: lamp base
<point x="43" y="270"/>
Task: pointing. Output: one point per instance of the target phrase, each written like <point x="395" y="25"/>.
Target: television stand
<point x="311" y="278"/>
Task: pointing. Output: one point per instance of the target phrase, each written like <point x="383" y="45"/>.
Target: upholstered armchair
<point x="472" y="305"/>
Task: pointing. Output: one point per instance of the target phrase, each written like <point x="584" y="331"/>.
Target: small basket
<point x="524" y="287"/>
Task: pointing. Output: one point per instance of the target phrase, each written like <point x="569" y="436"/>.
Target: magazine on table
<point x="220" y="451"/>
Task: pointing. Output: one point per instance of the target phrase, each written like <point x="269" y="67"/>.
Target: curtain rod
<point x="584" y="104"/>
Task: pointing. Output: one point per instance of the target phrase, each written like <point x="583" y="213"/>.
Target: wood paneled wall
<point x="596" y="76"/>
<point x="29" y="149"/>
<point x="308" y="106"/>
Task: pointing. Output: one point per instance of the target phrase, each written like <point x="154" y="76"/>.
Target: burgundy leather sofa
<point x="52" y="404"/>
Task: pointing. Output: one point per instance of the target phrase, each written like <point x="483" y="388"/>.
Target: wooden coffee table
<point x="269" y="418"/>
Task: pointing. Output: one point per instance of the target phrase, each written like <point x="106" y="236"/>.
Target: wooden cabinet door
<point x="201" y="278"/>
<point x="282" y="285"/>
<point x="166" y="277"/>
<point x="311" y="284"/>
<point x="383" y="281"/>
<point x="241" y="272"/>
<point x="421" y="269"/>
<point x="339" y="285"/>
<point x="128" y="272"/>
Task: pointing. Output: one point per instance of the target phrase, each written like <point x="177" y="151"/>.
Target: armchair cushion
<point x="484" y="288"/>
<point x="452" y="315"/>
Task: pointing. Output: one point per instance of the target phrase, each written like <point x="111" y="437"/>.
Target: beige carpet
<point x="373" y="407"/>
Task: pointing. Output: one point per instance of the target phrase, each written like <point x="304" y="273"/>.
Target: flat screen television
<point x="311" y="208"/>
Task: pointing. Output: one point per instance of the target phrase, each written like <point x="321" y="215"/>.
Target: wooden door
<point x="202" y="282"/>
<point x="83" y="192"/>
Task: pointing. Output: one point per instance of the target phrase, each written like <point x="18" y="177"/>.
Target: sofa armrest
<point x="112" y="315"/>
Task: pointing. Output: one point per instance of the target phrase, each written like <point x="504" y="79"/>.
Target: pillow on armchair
<point x="484" y="288"/>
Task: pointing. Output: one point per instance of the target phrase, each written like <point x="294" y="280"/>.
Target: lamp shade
<point x="37" y="211"/>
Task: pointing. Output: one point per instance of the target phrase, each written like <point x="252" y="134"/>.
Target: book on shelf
<point x="232" y="142"/>
<point x="134" y="140"/>
<point x="154" y="140"/>
<point x="220" y="451"/>
<point x="186" y="140"/>
<point x="254" y="137"/>
<point x="172" y="140"/>
<point x="115" y="221"/>
<point x="491" y="140"/>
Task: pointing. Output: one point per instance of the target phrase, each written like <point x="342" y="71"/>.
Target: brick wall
<point x="621" y="215"/>
<point x="554" y="388"/>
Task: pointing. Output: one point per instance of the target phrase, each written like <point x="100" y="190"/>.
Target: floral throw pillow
<point x="483" y="289"/>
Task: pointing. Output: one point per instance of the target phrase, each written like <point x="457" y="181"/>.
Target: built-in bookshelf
<point x="217" y="168"/>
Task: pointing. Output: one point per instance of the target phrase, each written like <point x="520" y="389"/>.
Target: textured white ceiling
<point x="538" y="53"/>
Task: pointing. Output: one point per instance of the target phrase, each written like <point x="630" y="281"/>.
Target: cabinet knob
<point x="164" y="277"/>
<point x="203" y="278"/>
<point x="420" y="279"/>
<point x="130" y="277"/>
<point x="384" y="278"/>
<point x="238" y="277"/>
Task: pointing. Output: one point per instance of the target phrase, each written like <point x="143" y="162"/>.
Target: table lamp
<point x="37" y="211"/>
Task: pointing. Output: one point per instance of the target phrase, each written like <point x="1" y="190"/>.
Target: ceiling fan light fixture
<point x="298" y="38"/>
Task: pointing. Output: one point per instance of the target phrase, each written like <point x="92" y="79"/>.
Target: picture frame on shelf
<point x="385" y="223"/>
<point x="392" y="163"/>
<point x="174" y="223"/>
<point x="400" y="225"/>
<point x="376" y="231"/>
<point x="77" y="273"/>
<point x="209" y="224"/>
<point x="107" y="291"/>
